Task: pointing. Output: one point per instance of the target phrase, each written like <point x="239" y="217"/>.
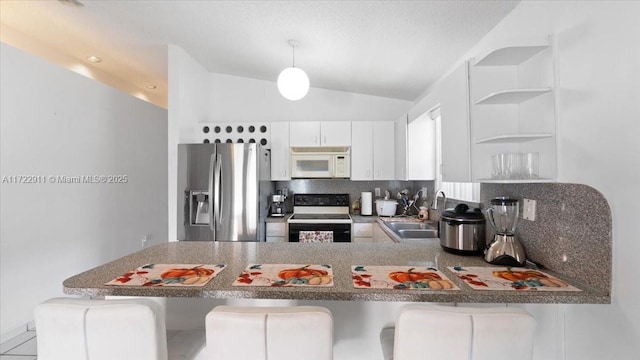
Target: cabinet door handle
<point x="324" y="139"/>
<point x="315" y="139"/>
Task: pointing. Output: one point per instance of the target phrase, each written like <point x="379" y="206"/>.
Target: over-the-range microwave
<point x="320" y="162"/>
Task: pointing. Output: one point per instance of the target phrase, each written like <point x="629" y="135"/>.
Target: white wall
<point x="188" y="95"/>
<point x="598" y="112"/>
<point x="236" y="98"/>
<point x="197" y="96"/>
<point x="56" y="122"/>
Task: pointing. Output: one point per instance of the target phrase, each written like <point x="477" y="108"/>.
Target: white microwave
<point x="320" y="162"/>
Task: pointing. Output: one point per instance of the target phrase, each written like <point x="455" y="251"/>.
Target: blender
<point x="505" y="249"/>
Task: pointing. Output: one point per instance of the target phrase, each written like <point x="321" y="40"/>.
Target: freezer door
<point x="235" y="188"/>
<point x="195" y="204"/>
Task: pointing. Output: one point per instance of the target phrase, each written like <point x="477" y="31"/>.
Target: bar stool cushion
<point x="463" y="333"/>
<point x="258" y="333"/>
<point x="127" y="329"/>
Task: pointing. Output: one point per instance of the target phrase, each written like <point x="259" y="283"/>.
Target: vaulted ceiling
<point x="392" y="49"/>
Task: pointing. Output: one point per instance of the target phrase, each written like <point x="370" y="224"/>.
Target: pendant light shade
<point x="293" y="82"/>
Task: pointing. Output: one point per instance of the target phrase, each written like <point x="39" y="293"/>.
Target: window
<point x="453" y="190"/>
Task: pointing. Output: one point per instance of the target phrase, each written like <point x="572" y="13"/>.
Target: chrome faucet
<point x="435" y="200"/>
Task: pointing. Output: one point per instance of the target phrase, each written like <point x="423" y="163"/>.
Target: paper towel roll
<point x="366" y="203"/>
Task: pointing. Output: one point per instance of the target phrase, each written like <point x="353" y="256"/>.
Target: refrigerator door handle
<point x="212" y="198"/>
<point x="218" y="187"/>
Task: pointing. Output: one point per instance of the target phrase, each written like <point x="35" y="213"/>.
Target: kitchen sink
<point x="414" y="230"/>
<point x="417" y="233"/>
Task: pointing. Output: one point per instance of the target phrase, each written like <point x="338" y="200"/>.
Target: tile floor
<point x="21" y="347"/>
<point x="24" y="346"/>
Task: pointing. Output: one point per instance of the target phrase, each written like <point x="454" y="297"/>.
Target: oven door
<point x="341" y="232"/>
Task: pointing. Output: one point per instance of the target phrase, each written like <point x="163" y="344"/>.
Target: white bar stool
<point x="460" y="333"/>
<point x="130" y="329"/>
<point x="258" y="333"/>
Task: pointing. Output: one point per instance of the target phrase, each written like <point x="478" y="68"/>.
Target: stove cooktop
<point x="320" y="217"/>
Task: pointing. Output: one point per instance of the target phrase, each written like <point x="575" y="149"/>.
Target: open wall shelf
<point x="514" y="181"/>
<point x="510" y="55"/>
<point x="511" y="96"/>
<point x="513" y="138"/>
<point x="517" y="79"/>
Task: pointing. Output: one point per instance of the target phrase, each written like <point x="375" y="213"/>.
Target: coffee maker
<point x="505" y="249"/>
<point x="278" y="208"/>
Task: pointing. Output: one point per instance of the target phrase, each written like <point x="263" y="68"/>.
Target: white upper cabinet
<point x="401" y="148"/>
<point x="304" y="133"/>
<point x="513" y="110"/>
<point x="280" y="151"/>
<point x="454" y="126"/>
<point x="372" y="150"/>
<point x="421" y="148"/>
<point x="383" y="150"/>
<point x="319" y="133"/>
<point x="362" y="150"/>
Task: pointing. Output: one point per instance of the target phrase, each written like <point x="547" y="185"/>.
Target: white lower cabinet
<point x="362" y="233"/>
<point x="379" y="236"/>
<point x="277" y="232"/>
<point x="369" y="233"/>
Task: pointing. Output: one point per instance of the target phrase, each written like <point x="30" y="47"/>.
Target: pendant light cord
<point x="293" y="51"/>
<point x="293" y="45"/>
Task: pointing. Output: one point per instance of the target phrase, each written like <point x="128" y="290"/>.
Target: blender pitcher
<point x="505" y="249"/>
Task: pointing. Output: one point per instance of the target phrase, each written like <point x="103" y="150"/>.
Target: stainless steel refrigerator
<point x="223" y="192"/>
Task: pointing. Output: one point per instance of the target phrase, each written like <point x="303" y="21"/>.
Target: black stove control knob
<point x="342" y="200"/>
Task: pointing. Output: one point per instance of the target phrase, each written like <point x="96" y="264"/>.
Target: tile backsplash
<point x="571" y="233"/>
<point x="353" y="188"/>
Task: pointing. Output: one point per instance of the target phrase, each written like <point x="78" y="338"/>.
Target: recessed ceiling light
<point x="93" y="59"/>
<point x="151" y="87"/>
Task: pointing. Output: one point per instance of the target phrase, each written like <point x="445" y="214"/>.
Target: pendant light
<point x="293" y="82"/>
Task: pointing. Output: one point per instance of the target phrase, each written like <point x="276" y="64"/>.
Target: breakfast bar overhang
<point x="237" y="255"/>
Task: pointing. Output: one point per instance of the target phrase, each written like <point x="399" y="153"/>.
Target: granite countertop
<point x="364" y="218"/>
<point x="340" y="255"/>
<point x="277" y="219"/>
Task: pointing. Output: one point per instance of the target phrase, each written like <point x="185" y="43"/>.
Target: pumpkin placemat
<point x="285" y="275"/>
<point x="507" y="278"/>
<point x="169" y="275"/>
<point x="400" y="277"/>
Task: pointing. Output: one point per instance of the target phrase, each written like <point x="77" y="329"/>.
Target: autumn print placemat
<point x="169" y="275"/>
<point x="285" y="275"/>
<point x="506" y="278"/>
<point x="400" y="277"/>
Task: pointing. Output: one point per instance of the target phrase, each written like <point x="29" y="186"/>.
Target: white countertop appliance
<point x="325" y="213"/>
